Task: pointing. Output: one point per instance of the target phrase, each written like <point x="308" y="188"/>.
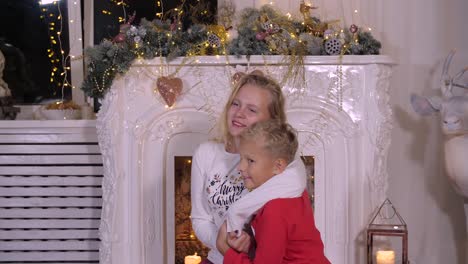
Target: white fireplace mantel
<point x="344" y="122"/>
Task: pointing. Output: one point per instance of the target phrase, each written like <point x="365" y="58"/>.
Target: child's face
<point x="257" y="165"/>
<point x="249" y="106"/>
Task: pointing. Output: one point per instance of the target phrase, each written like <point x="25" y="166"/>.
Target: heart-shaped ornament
<point x="238" y="75"/>
<point x="169" y="89"/>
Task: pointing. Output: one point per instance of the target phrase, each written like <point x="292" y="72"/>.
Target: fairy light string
<point x="59" y="57"/>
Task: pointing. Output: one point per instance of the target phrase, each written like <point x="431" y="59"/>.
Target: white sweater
<point x="216" y="184"/>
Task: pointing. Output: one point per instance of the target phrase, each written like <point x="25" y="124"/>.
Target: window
<point x="32" y="38"/>
<point x="107" y="13"/>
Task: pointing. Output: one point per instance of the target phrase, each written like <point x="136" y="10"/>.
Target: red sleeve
<point x="232" y="257"/>
<point x="271" y="232"/>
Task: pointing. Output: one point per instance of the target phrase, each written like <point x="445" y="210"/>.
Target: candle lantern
<point x="387" y="237"/>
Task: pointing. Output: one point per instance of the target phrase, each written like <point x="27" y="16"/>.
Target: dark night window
<point x="107" y="13"/>
<point x="31" y="39"/>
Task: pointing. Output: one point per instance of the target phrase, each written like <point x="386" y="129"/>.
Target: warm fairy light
<point x="58" y="57"/>
<point x="355" y="11"/>
<point x="46" y="2"/>
<point x="370" y="29"/>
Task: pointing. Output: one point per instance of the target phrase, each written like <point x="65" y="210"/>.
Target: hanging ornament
<point x="169" y="89"/>
<point x="238" y="75"/>
<point x="354" y="29"/>
<point x="219" y="31"/>
<point x="214" y="41"/>
<point x="123" y="29"/>
<point x="305" y="8"/>
<point x="270" y="28"/>
<point x="175" y="25"/>
<point x="261" y="35"/>
<point x="333" y="46"/>
<point x="327" y="34"/>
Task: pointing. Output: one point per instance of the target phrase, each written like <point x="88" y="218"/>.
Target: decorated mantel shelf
<point x="339" y="105"/>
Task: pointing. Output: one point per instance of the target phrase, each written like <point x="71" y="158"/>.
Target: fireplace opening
<point x="186" y="243"/>
<point x="309" y="163"/>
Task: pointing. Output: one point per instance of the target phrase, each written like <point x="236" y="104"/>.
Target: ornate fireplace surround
<point x="341" y="111"/>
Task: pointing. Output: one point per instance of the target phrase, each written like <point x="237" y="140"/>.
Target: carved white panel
<point x="340" y="110"/>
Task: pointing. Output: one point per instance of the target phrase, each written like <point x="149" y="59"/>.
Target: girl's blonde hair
<point x="275" y="107"/>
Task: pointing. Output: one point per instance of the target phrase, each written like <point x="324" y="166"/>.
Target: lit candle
<point x="385" y="257"/>
<point x="192" y="259"/>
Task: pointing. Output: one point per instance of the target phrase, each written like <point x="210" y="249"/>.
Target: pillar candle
<point x="192" y="259"/>
<point x="385" y="257"/>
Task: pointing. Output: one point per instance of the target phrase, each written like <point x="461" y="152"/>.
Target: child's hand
<point x="241" y="243"/>
<point x="221" y="240"/>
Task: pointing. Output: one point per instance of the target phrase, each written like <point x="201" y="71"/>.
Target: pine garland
<point x="261" y="31"/>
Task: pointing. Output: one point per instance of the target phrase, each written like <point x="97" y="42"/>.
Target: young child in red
<point x="284" y="229"/>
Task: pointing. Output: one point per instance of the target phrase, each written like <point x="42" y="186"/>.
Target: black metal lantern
<point x="387" y="237"/>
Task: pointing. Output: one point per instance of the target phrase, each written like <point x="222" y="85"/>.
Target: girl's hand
<point x="241" y="243"/>
<point x="221" y="240"/>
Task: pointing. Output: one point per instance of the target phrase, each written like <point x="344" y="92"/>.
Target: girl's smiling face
<point x="249" y="106"/>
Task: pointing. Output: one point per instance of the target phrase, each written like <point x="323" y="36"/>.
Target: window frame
<point x="75" y="27"/>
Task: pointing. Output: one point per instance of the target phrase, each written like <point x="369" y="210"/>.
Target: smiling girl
<point x="216" y="184"/>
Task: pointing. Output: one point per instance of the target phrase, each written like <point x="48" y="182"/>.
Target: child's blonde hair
<point x="278" y="138"/>
<point x="275" y="107"/>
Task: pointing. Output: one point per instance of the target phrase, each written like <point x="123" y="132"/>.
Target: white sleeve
<point x="289" y="184"/>
<point x="202" y="219"/>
